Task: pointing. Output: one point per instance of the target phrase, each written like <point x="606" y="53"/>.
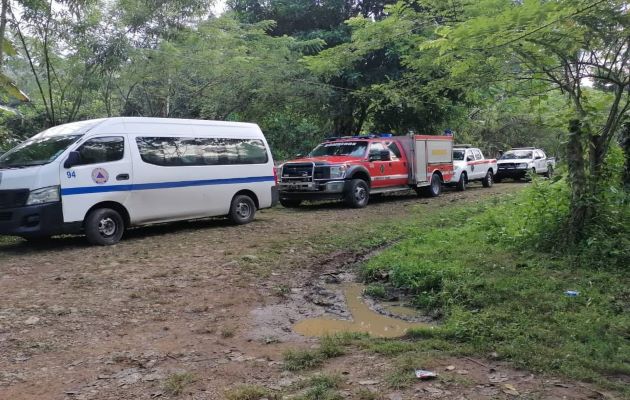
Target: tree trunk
<point x="3" y="28"/>
<point x="625" y="145"/>
<point x="580" y="209"/>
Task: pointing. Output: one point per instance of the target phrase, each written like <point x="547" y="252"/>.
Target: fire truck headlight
<point x="337" y="171"/>
<point x="522" y="165"/>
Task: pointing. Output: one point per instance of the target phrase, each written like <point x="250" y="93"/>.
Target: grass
<point x="330" y="347"/>
<point x="176" y="383"/>
<point x="494" y="296"/>
<point x="251" y="392"/>
<point x="322" y="387"/>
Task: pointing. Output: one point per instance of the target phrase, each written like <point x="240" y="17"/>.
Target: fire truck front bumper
<point x="329" y="190"/>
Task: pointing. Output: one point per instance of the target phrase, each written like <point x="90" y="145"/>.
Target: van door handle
<point x="122" y="177"/>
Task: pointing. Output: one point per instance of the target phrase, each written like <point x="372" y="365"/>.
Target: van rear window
<point x="181" y="151"/>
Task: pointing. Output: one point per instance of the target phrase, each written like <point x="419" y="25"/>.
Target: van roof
<point x="81" y="127"/>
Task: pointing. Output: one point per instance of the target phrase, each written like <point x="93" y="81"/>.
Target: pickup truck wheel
<point x="488" y="179"/>
<point x="104" y="227"/>
<point x="242" y="209"/>
<point x="461" y="184"/>
<point x="358" y="194"/>
<point x="290" y="203"/>
<point x="549" y="172"/>
<point x="435" y="188"/>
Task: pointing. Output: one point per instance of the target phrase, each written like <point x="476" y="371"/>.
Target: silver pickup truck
<point x="518" y="162"/>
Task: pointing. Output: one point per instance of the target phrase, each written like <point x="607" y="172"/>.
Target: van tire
<point x="242" y="209"/>
<point x="358" y="194"/>
<point x="488" y="179"/>
<point x="290" y="203"/>
<point x="104" y="227"/>
<point x="461" y="184"/>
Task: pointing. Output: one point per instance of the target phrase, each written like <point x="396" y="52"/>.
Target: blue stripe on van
<point x="163" y="185"/>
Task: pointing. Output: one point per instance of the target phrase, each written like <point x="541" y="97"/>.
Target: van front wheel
<point x="242" y="210"/>
<point x="104" y="227"/>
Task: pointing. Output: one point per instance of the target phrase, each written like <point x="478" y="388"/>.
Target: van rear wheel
<point x="104" y="227"/>
<point x="242" y="209"/>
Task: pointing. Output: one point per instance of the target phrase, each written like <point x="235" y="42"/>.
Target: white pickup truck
<point x="469" y="165"/>
<point x="517" y="162"/>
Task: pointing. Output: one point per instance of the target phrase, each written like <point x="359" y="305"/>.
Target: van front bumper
<point x="33" y="221"/>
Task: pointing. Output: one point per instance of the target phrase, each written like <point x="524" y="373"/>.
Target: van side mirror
<point x="470" y="158"/>
<point x="74" y="157"/>
<point x="538" y="157"/>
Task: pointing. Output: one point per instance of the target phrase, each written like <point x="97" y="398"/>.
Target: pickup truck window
<point x="393" y="148"/>
<point x="458" y="155"/>
<point x="353" y="149"/>
<point x="517" y="154"/>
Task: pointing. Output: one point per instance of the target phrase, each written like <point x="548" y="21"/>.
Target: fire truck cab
<point x="355" y="167"/>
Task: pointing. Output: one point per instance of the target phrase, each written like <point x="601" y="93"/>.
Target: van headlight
<point x="49" y="194"/>
<point x="337" y="171"/>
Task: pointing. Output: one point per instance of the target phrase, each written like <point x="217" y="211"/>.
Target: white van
<point x="102" y="176"/>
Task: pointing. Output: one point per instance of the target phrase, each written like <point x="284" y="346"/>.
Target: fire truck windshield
<point x="352" y="149"/>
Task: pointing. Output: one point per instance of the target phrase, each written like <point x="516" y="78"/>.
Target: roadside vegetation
<point x="495" y="277"/>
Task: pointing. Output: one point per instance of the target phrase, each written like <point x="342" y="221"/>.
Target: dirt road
<point x="81" y="322"/>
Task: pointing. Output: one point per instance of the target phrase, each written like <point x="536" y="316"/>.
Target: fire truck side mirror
<point x="374" y="156"/>
<point x="384" y="155"/>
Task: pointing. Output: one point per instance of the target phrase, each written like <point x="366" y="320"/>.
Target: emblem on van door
<point x="100" y="176"/>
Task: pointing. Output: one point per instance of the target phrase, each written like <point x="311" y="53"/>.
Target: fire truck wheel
<point x="290" y="203"/>
<point x="461" y="184"/>
<point x="358" y="194"/>
<point x="242" y="210"/>
<point x="488" y="179"/>
<point x="435" y="188"/>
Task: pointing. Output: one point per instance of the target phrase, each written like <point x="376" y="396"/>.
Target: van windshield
<point x="38" y="151"/>
<point x="352" y="149"/>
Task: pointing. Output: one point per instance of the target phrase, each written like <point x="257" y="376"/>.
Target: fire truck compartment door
<point x="421" y="161"/>
<point x="439" y="151"/>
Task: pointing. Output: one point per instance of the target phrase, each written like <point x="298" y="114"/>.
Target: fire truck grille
<point x="304" y="172"/>
<point x="13" y="198"/>
<point x="298" y="172"/>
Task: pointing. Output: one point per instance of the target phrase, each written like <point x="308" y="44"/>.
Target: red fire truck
<point x="355" y="167"/>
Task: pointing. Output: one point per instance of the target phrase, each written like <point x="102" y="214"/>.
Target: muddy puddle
<point x="364" y="319"/>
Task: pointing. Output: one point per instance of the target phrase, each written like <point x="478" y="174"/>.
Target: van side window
<point x="478" y="155"/>
<point x="101" y="150"/>
<point x="180" y="151"/>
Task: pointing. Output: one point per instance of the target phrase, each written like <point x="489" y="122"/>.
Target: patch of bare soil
<point x="178" y="310"/>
